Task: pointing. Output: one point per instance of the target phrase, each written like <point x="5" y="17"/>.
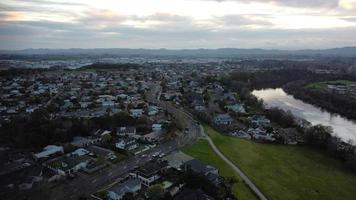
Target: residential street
<point x="86" y="184"/>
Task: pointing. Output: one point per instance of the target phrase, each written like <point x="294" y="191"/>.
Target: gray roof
<point x="126" y="187"/>
<point x="199" y="167"/>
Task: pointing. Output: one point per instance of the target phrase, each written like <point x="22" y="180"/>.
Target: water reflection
<point x="344" y="128"/>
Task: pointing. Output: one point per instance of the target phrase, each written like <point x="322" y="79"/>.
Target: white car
<point x="155" y="154"/>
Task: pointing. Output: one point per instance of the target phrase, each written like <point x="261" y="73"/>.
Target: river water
<point x="344" y="128"/>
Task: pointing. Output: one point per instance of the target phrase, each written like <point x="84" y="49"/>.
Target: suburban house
<point x="156" y="127"/>
<point x="260" y="134"/>
<point x="260" y="121"/>
<point x="49" y="151"/>
<point x="152" y="110"/>
<point x="126" y="131"/>
<point x="150" y="172"/>
<point x="200" y="108"/>
<point x="136" y="113"/>
<point x="237" y="108"/>
<point x="126" y="144"/>
<point x="223" y="119"/>
<point x="241" y="134"/>
<point x="84" y="141"/>
<point x="210" y="172"/>
<point x="70" y="163"/>
<point x="130" y="186"/>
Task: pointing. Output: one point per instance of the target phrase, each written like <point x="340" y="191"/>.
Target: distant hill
<point x="111" y="66"/>
<point x="224" y="52"/>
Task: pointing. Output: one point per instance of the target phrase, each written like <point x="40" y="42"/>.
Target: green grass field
<point x="202" y="151"/>
<point x="288" y="172"/>
<point x="323" y="85"/>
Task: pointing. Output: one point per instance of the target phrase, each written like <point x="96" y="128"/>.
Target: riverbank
<point x="342" y="127"/>
<point x="316" y="94"/>
<point x="288" y="172"/>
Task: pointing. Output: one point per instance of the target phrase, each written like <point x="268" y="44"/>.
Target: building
<point x="130" y="186"/>
<point x="237" y="108"/>
<point x="150" y="172"/>
<point x="69" y="163"/>
<point x="136" y="113"/>
<point x="210" y="172"/>
<point x="260" y="121"/>
<point x="126" y="131"/>
<point x="152" y="110"/>
<point x="260" y="134"/>
<point x="127" y="144"/>
<point x="223" y="119"/>
<point x="84" y="141"/>
<point x="49" y="151"/>
<point x="156" y="127"/>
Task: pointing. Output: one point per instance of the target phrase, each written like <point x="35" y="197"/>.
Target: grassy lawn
<point x="202" y="151"/>
<point x="323" y="85"/>
<point x="288" y="172"/>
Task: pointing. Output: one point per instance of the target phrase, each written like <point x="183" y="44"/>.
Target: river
<point x="343" y="128"/>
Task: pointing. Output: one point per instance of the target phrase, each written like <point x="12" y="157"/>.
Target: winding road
<point x="244" y="177"/>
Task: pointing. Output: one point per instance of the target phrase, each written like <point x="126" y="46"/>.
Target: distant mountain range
<point x="345" y="51"/>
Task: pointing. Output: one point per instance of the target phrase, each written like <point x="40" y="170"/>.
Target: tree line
<point x="329" y="101"/>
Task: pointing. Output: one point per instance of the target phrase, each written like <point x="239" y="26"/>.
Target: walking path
<point x="244" y="177"/>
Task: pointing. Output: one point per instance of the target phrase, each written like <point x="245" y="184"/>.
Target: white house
<point x="260" y="134"/>
<point x="150" y="172"/>
<point x="136" y="112"/>
<point x="48" y="151"/>
<point x="156" y="127"/>
<point x="126" y="144"/>
<point x="223" y="119"/>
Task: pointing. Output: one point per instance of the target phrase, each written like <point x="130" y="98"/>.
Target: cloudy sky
<point x="273" y="24"/>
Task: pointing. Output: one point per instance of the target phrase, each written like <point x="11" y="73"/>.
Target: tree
<point x="229" y="183"/>
<point x="155" y="192"/>
<point x="128" y="196"/>
<point x="106" y="138"/>
<point x="319" y="135"/>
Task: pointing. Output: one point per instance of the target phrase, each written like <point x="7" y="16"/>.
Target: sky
<point x="177" y="24"/>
